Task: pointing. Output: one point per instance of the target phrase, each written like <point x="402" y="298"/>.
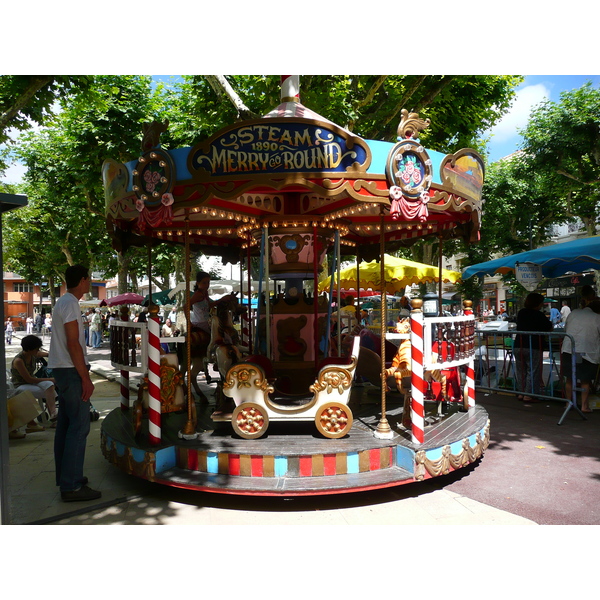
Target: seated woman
<point x="22" y="371"/>
<point x="167" y="330"/>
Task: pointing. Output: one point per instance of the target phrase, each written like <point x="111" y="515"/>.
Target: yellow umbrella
<point x="399" y="273"/>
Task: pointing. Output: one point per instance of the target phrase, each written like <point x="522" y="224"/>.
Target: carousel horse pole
<point x="189" y="429"/>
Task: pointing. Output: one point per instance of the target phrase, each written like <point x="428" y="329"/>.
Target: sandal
<point x="530" y="400"/>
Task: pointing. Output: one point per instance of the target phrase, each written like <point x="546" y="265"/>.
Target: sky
<point x="534" y="90"/>
<point x="504" y="137"/>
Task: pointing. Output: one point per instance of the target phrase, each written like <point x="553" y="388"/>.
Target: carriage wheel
<point x="250" y="420"/>
<point x="334" y="420"/>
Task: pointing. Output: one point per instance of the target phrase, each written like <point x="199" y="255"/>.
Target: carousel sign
<point x="279" y="147"/>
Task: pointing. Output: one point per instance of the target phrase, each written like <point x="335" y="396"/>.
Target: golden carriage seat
<point x="255" y="381"/>
<point x="172" y="397"/>
<point x="248" y="382"/>
<point x="334" y="380"/>
<point x="265" y="364"/>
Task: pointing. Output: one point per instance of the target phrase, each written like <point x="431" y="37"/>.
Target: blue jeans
<point x="72" y="428"/>
<point x="86" y="333"/>
<point x="96" y="339"/>
<point x="528" y="365"/>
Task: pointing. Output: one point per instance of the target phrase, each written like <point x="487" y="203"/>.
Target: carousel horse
<point x="401" y="370"/>
<point x="202" y="343"/>
<point x="222" y="349"/>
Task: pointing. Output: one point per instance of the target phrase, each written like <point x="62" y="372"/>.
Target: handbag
<point x="22" y="408"/>
<point x="43" y="371"/>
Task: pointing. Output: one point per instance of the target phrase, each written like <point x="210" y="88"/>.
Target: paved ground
<point x="534" y="472"/>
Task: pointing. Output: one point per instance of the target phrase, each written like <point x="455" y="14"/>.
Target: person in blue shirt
<point x="555" y="316"/>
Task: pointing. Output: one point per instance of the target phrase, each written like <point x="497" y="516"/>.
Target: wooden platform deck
<point x="293" y="458"/>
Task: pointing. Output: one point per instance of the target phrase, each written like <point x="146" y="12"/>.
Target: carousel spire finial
<point x="411" y="125"/>
<point x="290" y="88"/>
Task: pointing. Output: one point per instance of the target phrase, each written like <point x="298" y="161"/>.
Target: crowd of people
<point x="582" y="328"/>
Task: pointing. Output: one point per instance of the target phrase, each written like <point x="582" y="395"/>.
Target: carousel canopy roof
<point x="292" y="169"/>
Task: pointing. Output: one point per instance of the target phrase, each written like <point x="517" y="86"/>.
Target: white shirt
<point x="201" y="314"/>
<point x="66" y="310"/>
<point x="584" y="325"/>
<point x="565" y="311"/>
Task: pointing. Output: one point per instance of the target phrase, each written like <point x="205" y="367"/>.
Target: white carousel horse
<point x="221" y="350"/>
<point x="203" y="344"/>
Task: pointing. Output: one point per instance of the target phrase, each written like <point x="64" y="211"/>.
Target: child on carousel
<point x="201" y="304"/>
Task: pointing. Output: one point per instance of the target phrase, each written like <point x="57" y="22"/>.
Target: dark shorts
<point x="585" y="370"/>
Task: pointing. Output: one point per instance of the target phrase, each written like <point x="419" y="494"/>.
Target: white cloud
<point x="517" y="117"/>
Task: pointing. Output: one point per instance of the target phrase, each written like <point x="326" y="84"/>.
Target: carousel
<point x="281" y="405"/>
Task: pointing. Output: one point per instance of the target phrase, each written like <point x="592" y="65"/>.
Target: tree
<point x="510" y="186"/>
<point x="64" y="163"/>
<point x="562" y="145"/>
<point x="105" y="120"/>
<point x="30" y="99"/>
<point x="460" y="107"/>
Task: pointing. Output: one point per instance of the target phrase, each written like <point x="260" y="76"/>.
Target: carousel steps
<point x="287" y="486"/>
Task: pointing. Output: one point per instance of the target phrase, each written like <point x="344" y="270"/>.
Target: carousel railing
<point x="128" y="352"/>
<point x="438" y="343"/>
<point x="135" y="347"/>
<point x="129" y="346"/>
<point x="449" y="341"/>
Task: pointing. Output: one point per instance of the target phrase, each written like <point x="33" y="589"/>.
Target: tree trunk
<point x="52" y="293"/>
<point x="36" y="83"/>
<point x="123" y="272"/>
<point x="221" y="87"/>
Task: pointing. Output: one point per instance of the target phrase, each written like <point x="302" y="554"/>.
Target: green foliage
<point x="28" y="100"/>
<point x="562" y="145"/>
<point x="65" y="218"/>
<point x="518" y="207"/>
<point x="460" y="107"/>
<point x="88" y="119"/>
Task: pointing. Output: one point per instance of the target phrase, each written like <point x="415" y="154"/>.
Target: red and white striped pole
<point x="471" y="383"/>
<point x="468" y="311"/>
<point x="290" y="88"/>
<point x="417" y="381"/>
<point x="124" y="390"/>
<point x="154" y="379"/>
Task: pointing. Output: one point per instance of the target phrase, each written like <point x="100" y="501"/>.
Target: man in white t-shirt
<point x="70" y="368"/>
<point x="583" y="325"/>
<point x="565" y="311"/>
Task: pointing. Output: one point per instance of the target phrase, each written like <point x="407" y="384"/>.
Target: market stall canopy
<point x="555" y="260"/>
<point x="399" y="272"/>
<point x="127" y="298"/>
<point x="159" y="298"/>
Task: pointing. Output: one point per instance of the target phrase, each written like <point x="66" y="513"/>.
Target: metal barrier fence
<point x="532" y="367"/>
